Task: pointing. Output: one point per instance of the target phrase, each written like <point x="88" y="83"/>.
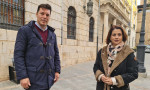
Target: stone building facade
<point x="114" y="12"/>
<point x="133" y="23"/>
<point x="147" y="23"/>
<point x="72" y="51"/>
<point x="75" y="46"/>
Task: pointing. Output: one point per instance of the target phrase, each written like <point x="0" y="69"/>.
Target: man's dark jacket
<point x="34" y="59"/>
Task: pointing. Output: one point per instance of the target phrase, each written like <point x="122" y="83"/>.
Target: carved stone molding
<point x="113" y="9"/>
<point x="115" y="4"/>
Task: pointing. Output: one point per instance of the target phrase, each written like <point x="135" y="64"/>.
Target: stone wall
<point x="7" y="41"/>
<point x="142" y="2"/>
<point x="72" y="51"/>
<point x="147" y="28"/>
<point x="79" y="49"/>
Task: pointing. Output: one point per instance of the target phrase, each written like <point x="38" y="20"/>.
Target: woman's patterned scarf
<point x="112" y="53"/>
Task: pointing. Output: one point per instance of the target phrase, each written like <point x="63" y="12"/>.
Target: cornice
<point x="113" y="4"/>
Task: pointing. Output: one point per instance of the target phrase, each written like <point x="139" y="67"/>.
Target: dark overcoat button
<point x="50" y="57"/>
<point x="42" y="58"/>
<point x="42" y="71"/>
<point x="50" y="44"/>
<point x="112" y="87"/>
<point x="41" y="44"/>
<point x="50" y="70"/>
<point x="47" y="58"/>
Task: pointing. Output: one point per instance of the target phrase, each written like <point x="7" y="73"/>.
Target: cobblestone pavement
<point x="81" y="77"/>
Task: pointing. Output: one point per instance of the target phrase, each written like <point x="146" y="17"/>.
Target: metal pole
<point x="141" y="46"/>
<point x="62" y="23"/>
<point x="98" y="24"/>
<point x="131" y="22"/>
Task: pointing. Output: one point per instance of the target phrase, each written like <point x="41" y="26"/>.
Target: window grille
<point x="11" y="14"/>
<point x="71" y="23"/>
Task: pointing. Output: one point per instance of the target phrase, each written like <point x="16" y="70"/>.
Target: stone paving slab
<point x="81" y="77"/>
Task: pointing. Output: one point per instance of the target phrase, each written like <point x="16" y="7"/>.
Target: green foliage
<point x="134" y="48"/>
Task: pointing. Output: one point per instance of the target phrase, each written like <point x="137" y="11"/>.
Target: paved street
<point x="81" y="77"/>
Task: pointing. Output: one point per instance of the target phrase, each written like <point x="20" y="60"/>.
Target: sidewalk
<point x="81" y="77"/>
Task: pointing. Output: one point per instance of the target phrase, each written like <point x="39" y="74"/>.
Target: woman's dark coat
<point x="124" y="68"/>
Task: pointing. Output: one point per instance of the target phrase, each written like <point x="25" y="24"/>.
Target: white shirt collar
<point x="40" y="26"/>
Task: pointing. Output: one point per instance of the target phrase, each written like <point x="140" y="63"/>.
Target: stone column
<point x="114" y="21"/>
<point x="106" y="17"/>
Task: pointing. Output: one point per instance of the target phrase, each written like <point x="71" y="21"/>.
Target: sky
<point x="138" y="2"/>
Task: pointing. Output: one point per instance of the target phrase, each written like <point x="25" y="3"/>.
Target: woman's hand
<point x="108" y="81"/>
<point x="103" y="78"/>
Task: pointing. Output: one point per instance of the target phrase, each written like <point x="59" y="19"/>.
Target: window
<point x="147" y="10"/>
<point x="71" y="23"/>
<point x="140" y="10"/>
<point x="11" y="14"/>
<point x="91" y="29"/>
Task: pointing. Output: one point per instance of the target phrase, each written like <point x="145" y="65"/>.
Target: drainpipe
<point x="61" y="22"/>
<point x="98" y="24"/>
<point x="131" y="22"/>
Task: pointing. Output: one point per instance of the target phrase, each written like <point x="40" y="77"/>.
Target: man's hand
<point x="56" y="77"/>
<point x="25" y="83"/>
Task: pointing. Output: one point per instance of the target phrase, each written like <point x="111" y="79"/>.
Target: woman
<point x="115" y="65"/>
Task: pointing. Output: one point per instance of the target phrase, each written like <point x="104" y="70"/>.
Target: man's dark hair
<point x="46" y="6"/>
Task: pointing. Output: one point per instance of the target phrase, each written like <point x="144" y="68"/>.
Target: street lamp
<point x="141" y="46"/>
<point x="89" y="8"/>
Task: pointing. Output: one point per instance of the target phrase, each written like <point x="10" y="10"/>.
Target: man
<point x="36" y="54"/>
